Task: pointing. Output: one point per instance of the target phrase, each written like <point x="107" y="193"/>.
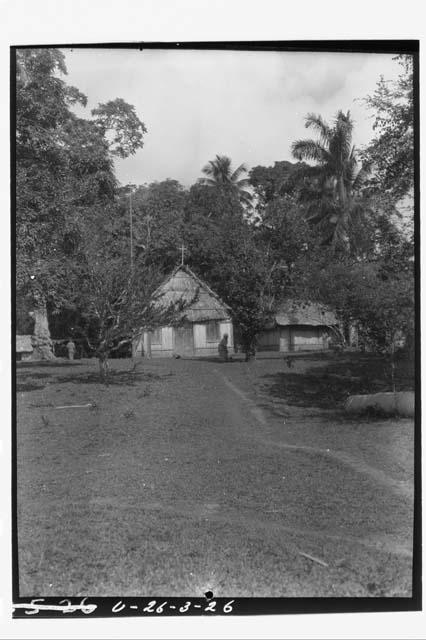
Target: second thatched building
<point x="299" y="326"/>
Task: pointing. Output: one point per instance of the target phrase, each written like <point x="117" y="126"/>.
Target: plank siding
<point x="293" y="338"/>
<point x="269" y="340"/>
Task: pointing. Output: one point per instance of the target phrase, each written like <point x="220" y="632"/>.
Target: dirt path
<point x="401" y="488"/>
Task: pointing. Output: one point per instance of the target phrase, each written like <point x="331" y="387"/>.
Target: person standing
<point x="71" y="349"/>
<point x="223" y="348"/>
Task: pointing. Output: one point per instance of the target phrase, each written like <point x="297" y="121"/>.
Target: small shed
<point x="201" y="325"/>
<point x="298" y="326"/>
<point x="24" y="347"/>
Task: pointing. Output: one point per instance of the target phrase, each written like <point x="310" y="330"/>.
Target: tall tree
<point x="116" y="302"/>
<point x="209" y="213"/>
<point x="225" y="250"/>
<point x="334" y="201"/>
<point x="220" y="174"/>
<point x="158" y="211"/>
<point x="391" y="152"/>
<point x="64" y="174"/>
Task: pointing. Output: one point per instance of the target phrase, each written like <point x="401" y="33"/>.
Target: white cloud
<point x="248" y="105"/>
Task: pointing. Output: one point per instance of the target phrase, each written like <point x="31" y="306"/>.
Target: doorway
<point x="184" y="340"/>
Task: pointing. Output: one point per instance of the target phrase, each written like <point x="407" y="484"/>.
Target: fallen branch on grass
<point x="306" y="555"/>
<point x="75" y="406"/>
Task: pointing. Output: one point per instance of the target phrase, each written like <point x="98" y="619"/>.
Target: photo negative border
<point x="202" y="604"/>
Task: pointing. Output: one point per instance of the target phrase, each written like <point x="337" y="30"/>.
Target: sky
<point x="247" y="105"/>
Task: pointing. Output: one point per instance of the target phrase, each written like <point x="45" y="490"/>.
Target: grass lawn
<point x="188" y="475"/>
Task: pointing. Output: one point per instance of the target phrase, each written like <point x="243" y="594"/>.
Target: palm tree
<point x="220" y="173"/>
<point x="334" y="197"/>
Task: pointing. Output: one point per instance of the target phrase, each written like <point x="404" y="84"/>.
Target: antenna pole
<point x="131" y="231"/>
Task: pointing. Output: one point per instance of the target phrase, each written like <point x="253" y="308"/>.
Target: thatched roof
<point x="184" y="285"/>
<point x="23" y="344"/>
<point x="307" y="313"/>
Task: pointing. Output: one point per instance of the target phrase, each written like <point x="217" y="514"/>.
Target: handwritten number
<point x="68" y="606"/>
<point x="160" y="608"/>
<point x="34" y="602"/>
<point x="211" y="606"/>
<point x="227" y="608"/>
<point x="87" y="608"/>
<point x="185" y="607"/>
<point x="150" y="607"/>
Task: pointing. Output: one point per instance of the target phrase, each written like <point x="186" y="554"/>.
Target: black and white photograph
<point x="214" y="311"/>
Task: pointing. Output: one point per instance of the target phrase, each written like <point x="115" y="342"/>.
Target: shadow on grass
<point x="115" y="378"/>
<point x="296" y="355"/>
<point x="264" y="355"/>
<point x="35" y="364"/>
<point x="214" y="359"/>
<point x="33" y="376"/>
<point x="28" y="386"/>
<point x="374" y="370"/>
<point x="328" y="387"/>
<point x="26" y="379"/>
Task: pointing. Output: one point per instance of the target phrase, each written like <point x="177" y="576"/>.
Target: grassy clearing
<point x="168" y="485"/>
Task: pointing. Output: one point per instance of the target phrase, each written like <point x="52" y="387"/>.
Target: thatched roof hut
<point x="298" y="326"/>
<point x="198" y="329"/>
<point x="182" y="285"/>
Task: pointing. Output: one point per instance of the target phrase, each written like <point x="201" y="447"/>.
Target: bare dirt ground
<point x="189" y="475"/>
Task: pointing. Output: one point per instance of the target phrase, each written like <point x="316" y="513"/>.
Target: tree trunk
<point x="147" y="344"/>
<point x="250" y="353"/>
<point x="41" y="340"/>
<point x="392" y="364"/>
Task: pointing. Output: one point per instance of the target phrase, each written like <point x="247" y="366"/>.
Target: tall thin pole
<point x="131" y="231"/>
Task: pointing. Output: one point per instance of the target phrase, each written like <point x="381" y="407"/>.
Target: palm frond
<point x="316" y="121"/>
<point x="245" y="196"/>
<point x="208" y="169"/>
<point x="244" y="182"/>
<point x="341" y="140"/>
<point x="309" y="150"/>
<point x="219" y="173"/>
<point x="209" y="182"/>
<point x="238" y="172"/>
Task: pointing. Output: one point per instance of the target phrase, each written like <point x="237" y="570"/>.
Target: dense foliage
<point x="392" y="150"/>
<point x="319" y="229"/>
<point x="64" y="169"/>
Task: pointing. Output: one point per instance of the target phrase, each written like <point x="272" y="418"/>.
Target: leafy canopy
<point x="64" y="169"/>
<point x="391" y="152"/>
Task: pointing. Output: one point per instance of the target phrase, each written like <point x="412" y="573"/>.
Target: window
<point x="212" y="331"/>
<point x="156" y="336"/>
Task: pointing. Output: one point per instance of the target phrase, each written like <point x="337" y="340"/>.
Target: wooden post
<point x="131" y="231"/>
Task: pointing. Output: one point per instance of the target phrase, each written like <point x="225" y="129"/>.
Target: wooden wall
<point x="201" y="346"/>
<point x="204" y="348"/>
<point x="293" y="338"/>
<point x="269" y="340"/>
